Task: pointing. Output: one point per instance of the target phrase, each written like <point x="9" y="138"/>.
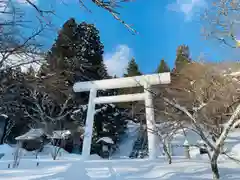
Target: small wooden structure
<point x="107" y="145"/>
<point x="62" y="138"/>
<point x="61" y="134"/>
<point x="32" y="140"/>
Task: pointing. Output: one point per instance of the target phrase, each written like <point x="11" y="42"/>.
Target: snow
<point x="60" y="134"/>
<point x="31" y="134"/>
<point x="106" y="139"/>
<point x="73" y="169"/>
<point x="36" y="133"/>
<point x="235" y="73"/>
<point x="5" y="148"/>
<point x="4" y="115"/>
<point x="126" y="145"/>
<point x="186" y="143"/>
<point x="84" y="107"/>
<point x="72" y="166"/>
<point x="76" y="111"/>
<point x="104" y="108"/>
<point x="116" y="114"/>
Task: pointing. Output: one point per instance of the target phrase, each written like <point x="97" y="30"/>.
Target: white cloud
<point x="117" y="61"/>
<point x="188" y="7"/>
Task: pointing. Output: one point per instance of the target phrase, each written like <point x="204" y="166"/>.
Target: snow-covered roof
<point x="4" y="115"/>
<point x="31" y="134"/>
<point x="235" y="73"/>
<point x="106" y="139"/>
<point x="60" y="134"/>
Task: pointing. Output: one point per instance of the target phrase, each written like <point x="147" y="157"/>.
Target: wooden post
<point x="151" y="126"/>
<point x="87" y="139"/>
<point x="186" y="149"/>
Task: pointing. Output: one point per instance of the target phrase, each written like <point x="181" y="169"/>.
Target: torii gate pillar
<point x="145" y="81"/>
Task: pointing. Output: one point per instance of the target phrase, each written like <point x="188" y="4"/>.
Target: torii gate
<point x="145" y="81"/>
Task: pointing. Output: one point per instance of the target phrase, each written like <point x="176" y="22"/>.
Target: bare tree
<point x="221" y="22"/>
<point x="44" y="112"/>
<point x="166" y="132"/>
<point x="110" y="6"/>
<point x="203" y="97"/>
<point x="17" y="48"/>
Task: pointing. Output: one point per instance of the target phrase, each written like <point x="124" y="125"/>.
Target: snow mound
<point x="236" y="150"/>
<point x="6" y="149"/>
<point x="31" y="134"/>
<point x="49" y="149"/>
<point x="125" y="147"/>
<point x="95" y="157"/>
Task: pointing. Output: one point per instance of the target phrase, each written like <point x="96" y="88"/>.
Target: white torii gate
<point x="145" y="81"/>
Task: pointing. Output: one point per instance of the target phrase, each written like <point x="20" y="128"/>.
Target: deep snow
<point x="72" y="167"/>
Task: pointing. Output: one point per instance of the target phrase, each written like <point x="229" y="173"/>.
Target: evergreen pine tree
<point x="163" y="67"/>
<point x="132" y="69"/>
<point x="111" y="122"/>
<point x="182" y="58"/>
<point x="89" y="56"/>
<point x="63" y="48"/>
<point x="78" y="50"/>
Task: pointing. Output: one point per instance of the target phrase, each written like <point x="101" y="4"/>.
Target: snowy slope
<point x="125" y="147"/>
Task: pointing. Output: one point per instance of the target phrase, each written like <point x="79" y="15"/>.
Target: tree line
<point x="44" y="98"/>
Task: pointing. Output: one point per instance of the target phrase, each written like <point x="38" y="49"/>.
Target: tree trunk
<point x="167" y="153"/>
<point x="215" y="170"/>
<point x="6" y="121"/>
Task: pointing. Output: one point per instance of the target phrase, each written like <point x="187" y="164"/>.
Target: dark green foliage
<point x="183" y="57"/>
<point x="78" y="49"/>
<point x="163" y="67"/>
<point x="45" y="100"/>
<point x="132" y="69"/>
<point x="110" y="121"/>
<point x="78" y="52"/>
<point x="63" y="46"/>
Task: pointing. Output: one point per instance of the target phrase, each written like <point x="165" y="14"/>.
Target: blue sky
<point x="162" y="26"/>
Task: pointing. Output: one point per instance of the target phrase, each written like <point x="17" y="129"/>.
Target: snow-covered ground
<point x="72" y="167"/>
